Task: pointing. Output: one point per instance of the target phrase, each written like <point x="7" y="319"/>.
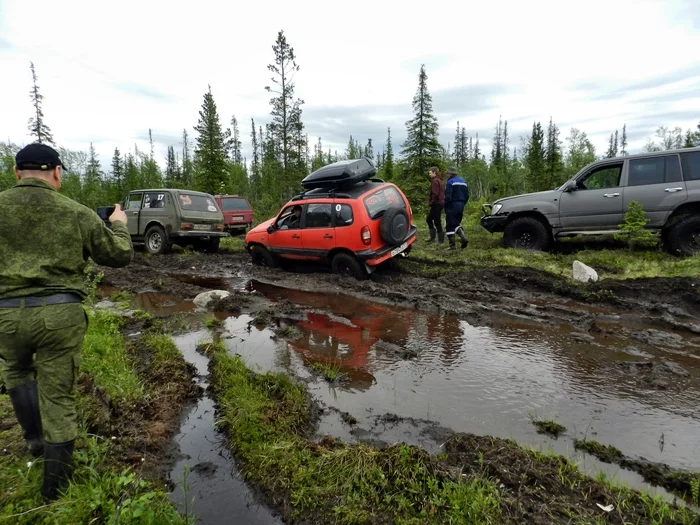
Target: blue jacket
<point x="456" y="191"/>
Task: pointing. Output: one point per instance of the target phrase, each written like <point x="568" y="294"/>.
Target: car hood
<point x="537" y="194"/>
<point x="262" y="227"/>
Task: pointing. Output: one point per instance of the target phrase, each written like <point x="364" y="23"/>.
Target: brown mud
<point x="142" y="432"/>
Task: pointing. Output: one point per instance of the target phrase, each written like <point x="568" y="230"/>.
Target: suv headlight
<point x="496" y="208"/>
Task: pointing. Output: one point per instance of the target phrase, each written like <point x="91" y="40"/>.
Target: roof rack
<point x="321" y="195"/>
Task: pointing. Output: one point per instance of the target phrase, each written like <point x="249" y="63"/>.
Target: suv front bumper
<point x="494" y="223"/>
<point x="374" y="257"/>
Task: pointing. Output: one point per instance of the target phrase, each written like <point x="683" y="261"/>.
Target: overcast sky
<point x="111" y="71"/>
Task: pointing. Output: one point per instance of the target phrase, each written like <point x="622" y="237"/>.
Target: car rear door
<point x="691" y="174"/>
<point x="132" y="209"/>
<point x="318" y="234"/>
<point x="657" y="184"/>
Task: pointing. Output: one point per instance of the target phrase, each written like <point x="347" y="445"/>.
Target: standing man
<point x="45" y="241"/>
<point x="456" y="197"/>
<point x="436" y="201"/>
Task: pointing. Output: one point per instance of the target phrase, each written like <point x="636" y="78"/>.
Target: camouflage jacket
<point x="46" y="239"/>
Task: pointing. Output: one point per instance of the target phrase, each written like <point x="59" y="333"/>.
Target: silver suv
<point x="594" y="202"/>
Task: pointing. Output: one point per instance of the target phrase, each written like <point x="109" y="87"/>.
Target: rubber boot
<point x="432" y="235"/>
<point x="441" y="237"/>
<point x="58" y="468"/>
<point x="25" y="400"/>
<point x="463" y="237"/>
<point x="451" y="239"/>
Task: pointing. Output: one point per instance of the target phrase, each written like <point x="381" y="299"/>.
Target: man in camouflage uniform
<point x="45" y="241"/>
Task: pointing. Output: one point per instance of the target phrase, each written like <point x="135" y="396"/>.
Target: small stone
<point x="204" y="298"/>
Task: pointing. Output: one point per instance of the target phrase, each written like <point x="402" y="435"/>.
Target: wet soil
<point x="142" y="432"/>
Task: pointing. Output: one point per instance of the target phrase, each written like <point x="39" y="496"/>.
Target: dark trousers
<point x="434" y="218"/>
<point x="453" y="217"/>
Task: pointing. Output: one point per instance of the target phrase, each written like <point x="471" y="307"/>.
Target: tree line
<point x="211" y="159"/>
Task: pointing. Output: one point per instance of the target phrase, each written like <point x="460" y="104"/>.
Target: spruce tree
<point x="623" y="142"/>
<point x="615" y="144"/>
<point x="37" y="126"/>
<point x="92" y="181"/>
<point x="535" y="159"/>
<point x="477" y="150"/>
<point x="118" y="173"/>
<point x="496" y="148"/>
<point x="388" y="161"/>
<point x="421" y="148"/>
<point x="369" y="149"/>
<point x="210" y="152"/>
<point x="255" y="177"/>
<point x="286" y="127"/>
<point x="187" y="178"/>
<point x="458" y="154"/>
<point x="171" y="169"/>
<point x="236" y="155"/>
<point x="553" y="156"/>
<point x="580" y="151"/>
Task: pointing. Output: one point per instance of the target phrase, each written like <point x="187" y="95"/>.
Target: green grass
<point x="212" y="322"/>
<point x="232" y="245"/>
<point x="106" y="360"/>
<point x="329" y="371"/>
<point x="548" y="426"/>
<point x="610" y="258"/>
<point x="266" y="417"/>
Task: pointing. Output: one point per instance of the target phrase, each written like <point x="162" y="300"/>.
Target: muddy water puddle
<point x="212" y="490"/>
<point x="486" y="380"/>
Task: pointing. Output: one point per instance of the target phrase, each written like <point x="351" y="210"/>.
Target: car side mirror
<point x="270" y="229"/>
<point x="571" y="186"/>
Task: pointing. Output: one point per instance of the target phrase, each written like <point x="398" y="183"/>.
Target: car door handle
<point x="672" y="190"/>
<point x="609" y="195"/>
<point x="327" y="236"/>
<point x="295" y="236"/>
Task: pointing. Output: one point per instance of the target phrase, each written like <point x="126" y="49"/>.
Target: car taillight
<point x="186" y="226"/>
<point x="219" y="227"/>
<point x="366" y="236"/>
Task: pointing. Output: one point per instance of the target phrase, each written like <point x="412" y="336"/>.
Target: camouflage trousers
<point x="43" y="344"/>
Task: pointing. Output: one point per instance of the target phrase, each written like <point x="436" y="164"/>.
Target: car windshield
<point x="234" y="204"/>
<point x="191" y="202"/>
<point x="380" y="201"/>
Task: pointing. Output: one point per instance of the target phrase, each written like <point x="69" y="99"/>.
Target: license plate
<point x="236" y="218"/>
<point x="398" y="250"/>
<point x="202" y="226"/>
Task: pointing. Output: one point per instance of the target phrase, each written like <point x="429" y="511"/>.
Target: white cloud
<point x="109" y="72"/>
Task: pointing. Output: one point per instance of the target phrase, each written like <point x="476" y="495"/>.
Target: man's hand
<point x="118" y="215"/>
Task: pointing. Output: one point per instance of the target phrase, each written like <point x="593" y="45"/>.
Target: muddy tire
<point x="527" y="233"/>
<point x="684" y="237"/>
<point x="346" y="264"/>
<point x="157" y="241"/>
<point x="394" y="226"/>
<point x="262" y="257"/>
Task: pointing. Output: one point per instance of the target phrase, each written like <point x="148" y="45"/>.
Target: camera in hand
<point x="105" y="212"/>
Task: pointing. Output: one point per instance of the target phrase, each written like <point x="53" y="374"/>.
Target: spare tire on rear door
<point x="394" y="225"/>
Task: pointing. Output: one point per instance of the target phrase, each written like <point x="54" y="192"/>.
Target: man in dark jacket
<point x="456" y="197"/>
<point x="436" y="203"/>
<point x="45" y="242"/>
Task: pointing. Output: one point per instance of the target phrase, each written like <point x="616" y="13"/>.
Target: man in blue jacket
<point x="456" y="197"/>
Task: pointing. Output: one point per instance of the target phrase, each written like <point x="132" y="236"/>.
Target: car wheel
<point x="527" y="233"/>
<point x="212" y="246"/>
<point x="684" y="237"/>
<point x="157" y="241"/>
<point x="394" y="226"/>
<point x="346" y="264"/>
<point x="262" y="257"/>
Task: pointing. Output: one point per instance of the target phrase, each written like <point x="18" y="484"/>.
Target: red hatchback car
<point x="345" y="217"/>
<point x="238" y="213"/>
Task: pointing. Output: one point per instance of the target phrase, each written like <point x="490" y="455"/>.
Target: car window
<point x="691" y="165"/>
<point x="290" y="218"/>
<point x="319" y="215"/>
<point x="343" y="215"/>
<point x="135" y="201"/>
<point x="380" y="201"/>
<point x="191" y="202"/>
<point x="154" y="200"/>
<point x="234" y="204"/>
<point x="656" y="170"/>
<point x="602" y="177"/>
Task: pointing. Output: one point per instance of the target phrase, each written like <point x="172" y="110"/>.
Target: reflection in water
<point x="490" y="380"/>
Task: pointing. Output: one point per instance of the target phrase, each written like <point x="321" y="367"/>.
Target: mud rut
<point x="664" y="313"/>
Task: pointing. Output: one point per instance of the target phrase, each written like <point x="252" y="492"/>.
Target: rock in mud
<point x="584" y="273"/>
<point x="229" y="303"/>
<point x="583" y="338"/>
<point x="203" y="299"/>
<point x="205" y="468"/>
<point x="391" y="348"/>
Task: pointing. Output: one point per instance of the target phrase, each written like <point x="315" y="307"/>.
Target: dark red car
<point x="238" y="213"/>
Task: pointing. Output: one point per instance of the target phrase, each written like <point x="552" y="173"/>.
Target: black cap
<point x="38" y="157"/>
<point x="451" y="171"/>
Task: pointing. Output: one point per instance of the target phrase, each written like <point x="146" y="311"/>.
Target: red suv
<point x="238" y="213"/>
<point x="345" y="217"/>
